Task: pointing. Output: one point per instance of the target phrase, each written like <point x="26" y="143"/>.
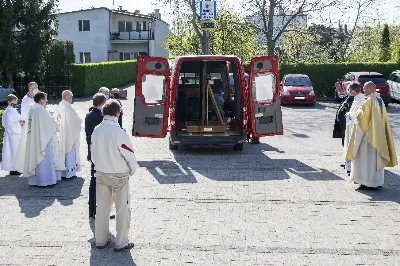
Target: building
<point x="101" y="34"/>
<point x="281" y="18"/>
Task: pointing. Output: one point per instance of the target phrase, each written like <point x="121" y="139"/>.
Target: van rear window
<point x="374" y="78"/>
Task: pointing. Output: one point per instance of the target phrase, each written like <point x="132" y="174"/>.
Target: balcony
<point x="131" y="37"/>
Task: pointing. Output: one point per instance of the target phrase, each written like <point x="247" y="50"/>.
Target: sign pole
<point x="208" y="10"/>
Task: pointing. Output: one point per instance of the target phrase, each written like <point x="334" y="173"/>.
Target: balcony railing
<point x="132" y="36"/>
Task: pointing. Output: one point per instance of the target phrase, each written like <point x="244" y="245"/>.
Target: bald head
<point x="369" y="88"/>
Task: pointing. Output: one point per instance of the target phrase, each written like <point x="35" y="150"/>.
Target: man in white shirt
<point x="28" y="99"/>
<point x="114" y="160"/>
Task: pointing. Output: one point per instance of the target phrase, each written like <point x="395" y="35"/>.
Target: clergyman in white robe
<point x="371" y="147"/>
<point x="351" y="120"/>
<point x="69" y="137"/>
<point x="12" y="135"/>
<point x="38" y="155"/>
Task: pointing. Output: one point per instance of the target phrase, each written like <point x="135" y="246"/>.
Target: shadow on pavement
<point x="107" y="256"/>
<point x="317" y="106"/>
<point x="223" y="164"/>
<point x="389" y="192"/>
<point x="33" y="200"/>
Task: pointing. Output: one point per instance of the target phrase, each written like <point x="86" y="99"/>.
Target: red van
<point x="197" y="104"/>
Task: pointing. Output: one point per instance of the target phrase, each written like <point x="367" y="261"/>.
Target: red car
<point x="297" y="89"/>
<point x="382" y="86"/>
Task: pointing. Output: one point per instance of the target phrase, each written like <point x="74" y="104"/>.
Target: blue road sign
<point x="208" y="10"/>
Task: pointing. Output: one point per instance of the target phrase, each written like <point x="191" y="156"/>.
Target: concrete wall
<point x="161" y="31"/>
<point x="96" y="41"/>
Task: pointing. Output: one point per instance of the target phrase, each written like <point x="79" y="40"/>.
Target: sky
<point x="389" y="9"/>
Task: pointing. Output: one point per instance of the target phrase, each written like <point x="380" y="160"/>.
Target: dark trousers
<point x="92" y="193"/>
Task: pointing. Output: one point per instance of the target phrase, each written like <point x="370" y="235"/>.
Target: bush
<point x="324" y="76"/>
<point x="88" y="78"/>
<point x="1" y="130"/>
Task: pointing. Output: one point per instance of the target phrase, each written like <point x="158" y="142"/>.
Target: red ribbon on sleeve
<point x="123" y="146"/>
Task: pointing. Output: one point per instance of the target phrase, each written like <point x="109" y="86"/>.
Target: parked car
<point x="394" y="84"/>
<point x="297" y="89"/>
<point x="382" y="86"/>
<point x="5" y="91"/>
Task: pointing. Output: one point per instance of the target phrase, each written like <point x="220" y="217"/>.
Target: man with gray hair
<point x="115" y="162"/>
<point x="28" y="99"/>
<point x="70" y="125"/>
<point x="105" y="91"/>
<point x="371" y="146"/>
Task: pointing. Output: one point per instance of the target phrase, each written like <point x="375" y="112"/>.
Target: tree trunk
<point x="10" y="79"/>
<point x="270" y="29"/>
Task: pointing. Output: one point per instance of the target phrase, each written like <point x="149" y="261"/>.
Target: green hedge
<point x="1" y="130"/>
<point x="324" y="76"/>
<point x="86" y="79"/>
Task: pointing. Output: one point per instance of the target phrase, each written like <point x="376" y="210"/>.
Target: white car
<point x="5" y="91"/>
<point x="394" y="84"/>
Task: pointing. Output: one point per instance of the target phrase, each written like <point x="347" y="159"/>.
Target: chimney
<point x="157" y="13"/>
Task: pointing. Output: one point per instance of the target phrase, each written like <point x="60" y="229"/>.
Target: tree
<point x="316" y="44"/>
<point x="272" y="18"/>
<point x="361" y="7"/>
<point x="27" y="27"/>
<point x="189" y="10"/>
<point x="233" y="35"/>
<point x="385" y="45"/>
<point x="58" y="59"/>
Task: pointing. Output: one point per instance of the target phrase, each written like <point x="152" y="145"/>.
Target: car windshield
<point x="375" y="79"/>
<point x="297" y="81"/>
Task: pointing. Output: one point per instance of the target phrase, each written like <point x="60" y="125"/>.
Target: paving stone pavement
<point x="284" y="202"/>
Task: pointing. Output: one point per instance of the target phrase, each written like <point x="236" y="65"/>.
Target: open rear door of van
<point x="265" y="103"/>
<point x="150" y="118"/>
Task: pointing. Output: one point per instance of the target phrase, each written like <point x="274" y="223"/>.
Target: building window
<point x="84" y="58"/>
<point x="144" y="25"/>
<point x="124" y="56"/>
<point x="84" y="25"/>
<point x="138" y="26"/>
<point x="124" y="26"/>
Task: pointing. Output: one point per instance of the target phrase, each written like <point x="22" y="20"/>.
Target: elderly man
<point x="115" y="162"/>
<point x="371" y="146"/>
<point x="70" y="129"/>
<point x="105" y="91"/>
<point x="28" y="99"/>
<point x="38" y="154"/>
<point x="92" y="120"/>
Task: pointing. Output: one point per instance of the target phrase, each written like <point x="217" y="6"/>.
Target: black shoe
<point x="103" y="247"/>
<point x="362" y="187"/>
<point x="127" y="247"/>
<point x="15" y="173"/>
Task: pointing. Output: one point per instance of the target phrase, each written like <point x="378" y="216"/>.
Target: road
<point x="284" y="202"/>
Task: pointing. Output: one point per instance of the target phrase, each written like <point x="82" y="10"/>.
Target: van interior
<point x="206" y="102"/>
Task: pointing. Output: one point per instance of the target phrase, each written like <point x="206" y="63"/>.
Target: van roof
<point x="207" y="57"/>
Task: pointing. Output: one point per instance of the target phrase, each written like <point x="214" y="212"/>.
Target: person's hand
<point x="22" y="122"/>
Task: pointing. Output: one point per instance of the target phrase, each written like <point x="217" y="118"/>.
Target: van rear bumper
<point x="208" y="140"/>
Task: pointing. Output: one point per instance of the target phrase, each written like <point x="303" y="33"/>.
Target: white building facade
<point x="281" y="18"/>
<point x="101" y="34"/>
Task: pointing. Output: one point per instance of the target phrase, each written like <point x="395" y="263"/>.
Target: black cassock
<point x="339" y="128"/>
